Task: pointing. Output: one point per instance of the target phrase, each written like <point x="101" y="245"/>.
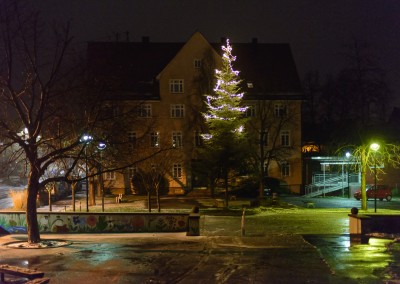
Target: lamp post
<point x="348" y="155"/>
<point x="101" y="146"/>
<point x="375" y="147"/>
<point x="86" y="139"/>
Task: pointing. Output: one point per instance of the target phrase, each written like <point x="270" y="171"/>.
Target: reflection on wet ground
<point x="358" y="263"/>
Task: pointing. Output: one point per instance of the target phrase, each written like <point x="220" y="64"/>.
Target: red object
<point x="383" y="192"/>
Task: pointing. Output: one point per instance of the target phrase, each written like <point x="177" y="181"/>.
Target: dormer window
<point x="250" y="85"/>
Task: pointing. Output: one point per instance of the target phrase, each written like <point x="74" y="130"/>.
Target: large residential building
<point x="165" y="83"/>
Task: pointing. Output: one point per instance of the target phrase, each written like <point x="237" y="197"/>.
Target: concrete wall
<point x="364" y="224"/>
<point x="74" y="222"/>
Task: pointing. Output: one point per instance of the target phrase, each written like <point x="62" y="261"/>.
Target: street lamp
<point x="375" y="147"/>
<point x="101" y="146"/>
<point x="86" y="139"/>
<point x="348" y="155"/>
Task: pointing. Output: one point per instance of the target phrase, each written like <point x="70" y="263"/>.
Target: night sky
<point x="315" y="29"/>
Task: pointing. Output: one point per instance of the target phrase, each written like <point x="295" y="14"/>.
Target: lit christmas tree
<point x="224" y="110"/>
<point x="225" y="148"/>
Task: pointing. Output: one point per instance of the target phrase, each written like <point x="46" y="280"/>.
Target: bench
<point x="31" y="274"/>
<point x="308" y="203"/>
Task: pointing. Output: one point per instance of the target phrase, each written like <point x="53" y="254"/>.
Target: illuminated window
<point x="197" y="63"/>
<point x="198" y="139"/>
<point x="266" y="168"/>
<point x="132" y="171"/>
<point x="177" y="139"/>
<point x="280" y="110"/>
<point x="250" y="111"/>
<point x="285" y="138"/>
<point x="131" y="140"/>
<point x="177" y="111"/>
<point x="155" y="139"/>
<point x="176" y="85"/>
<point x="250" y="85"/>
<point x="144" y="110"/>
<point x="264" y="138"/>
<point x="285" y="169"/>
<point x="109" y="176"/>
<point x="177" y="171"/>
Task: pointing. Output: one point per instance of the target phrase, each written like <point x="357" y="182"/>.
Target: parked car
<point x="383" y="192"/>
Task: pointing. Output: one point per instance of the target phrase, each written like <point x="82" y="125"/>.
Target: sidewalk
<point x="173" y="258"/>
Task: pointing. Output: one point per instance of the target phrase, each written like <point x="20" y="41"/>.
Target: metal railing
<point x="326" y="183"/>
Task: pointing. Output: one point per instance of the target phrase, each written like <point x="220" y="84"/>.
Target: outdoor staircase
<point x="323" y="184"/>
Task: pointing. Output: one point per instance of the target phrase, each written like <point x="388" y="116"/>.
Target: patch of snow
<point x="40" y="245"/>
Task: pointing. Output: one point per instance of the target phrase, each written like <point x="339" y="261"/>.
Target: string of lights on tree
<point x="224" y="105"/>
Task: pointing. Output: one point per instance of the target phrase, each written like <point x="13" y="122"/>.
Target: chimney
<point x="145" y="39"/>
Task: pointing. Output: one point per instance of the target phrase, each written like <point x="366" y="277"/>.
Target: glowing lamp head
<point x="101" y="146"/>
<point x="86" y="138"/>
<point x="374" y="147"/>
<point x="348" y="154"/>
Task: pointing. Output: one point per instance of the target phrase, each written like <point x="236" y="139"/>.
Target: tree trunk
<point x="158" y="200"/>
<point x="226" y="190"/>
<point x="149" y="201"/>
<point x="262" y="161"/>
<point x="31" y="214"/>
<point x="211" y="185"/>
<point x="98" y="186"/>
<point x="92" y="196"/>
<point x="363" y="181"/>
<point x="73" y="188"/>
<point x="50" y="204"/>
<point x="101" y="183"/>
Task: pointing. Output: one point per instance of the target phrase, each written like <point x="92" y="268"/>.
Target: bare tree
<point x="154" y="173"/>
<point x="371" y="160"/>
<point x="48" y="102"/>
<point x="35" y="90"/>
<point x="355" y="100"/>
<point x="270" y="118"/>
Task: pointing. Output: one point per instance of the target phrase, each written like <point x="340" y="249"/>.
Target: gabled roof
<point x="269" y="67"/>
<point x="130" y="66"/>
<point x="133" y="66"/>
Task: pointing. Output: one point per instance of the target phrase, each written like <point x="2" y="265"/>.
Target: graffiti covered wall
<point x="74" y="222"/>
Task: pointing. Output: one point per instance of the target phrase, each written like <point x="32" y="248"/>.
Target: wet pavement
<point x="314" y="249"/>
<point x="173" y="258"/>
<point x="357" y="263"/>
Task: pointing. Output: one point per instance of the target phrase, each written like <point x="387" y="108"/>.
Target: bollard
<point x="274" y="198"/>
<point x="193" y="225"/>
<point x="80" y="206"/>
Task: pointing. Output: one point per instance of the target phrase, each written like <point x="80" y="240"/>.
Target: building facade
<point x="165" y="84"/>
